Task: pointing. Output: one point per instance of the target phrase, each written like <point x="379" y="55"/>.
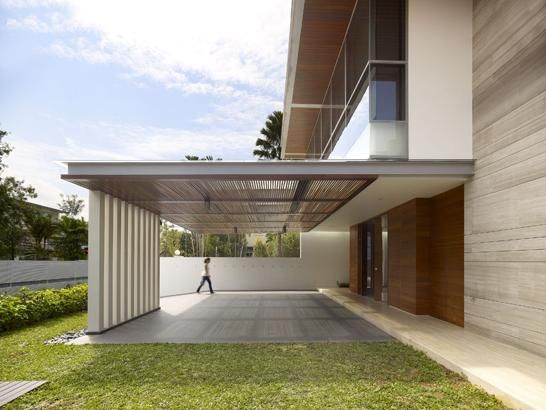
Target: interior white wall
<point x="324" y="260"/>
<point x="440" y="79"/>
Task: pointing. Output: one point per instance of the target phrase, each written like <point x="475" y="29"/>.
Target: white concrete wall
<point x="40" y="274"/>
<point x="324" y="260"/>
<point x="123" y="261"/>
<point x="440" y="79"/>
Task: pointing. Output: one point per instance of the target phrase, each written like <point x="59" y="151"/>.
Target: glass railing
<point x="363" y="114"/>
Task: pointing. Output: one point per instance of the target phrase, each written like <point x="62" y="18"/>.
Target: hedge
<point x="28" y="306"/>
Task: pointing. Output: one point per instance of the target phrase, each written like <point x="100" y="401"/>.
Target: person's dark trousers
<point x="203" y="280"/>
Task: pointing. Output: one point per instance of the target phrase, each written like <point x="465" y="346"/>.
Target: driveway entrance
<point x="244" y="317"/>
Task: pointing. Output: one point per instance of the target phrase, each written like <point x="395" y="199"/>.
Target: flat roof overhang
<point x="265" y="196"/>
<point x="317" y="30"/>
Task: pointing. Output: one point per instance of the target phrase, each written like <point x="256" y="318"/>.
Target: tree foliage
<point x="71" y="205"/>
<point x="5" y="149"/>
<point x="290" y="245"/>
<point x="71" y="237"/>
<point x="41" y="228"/>
<point x="260" y="249"/>
<point x="169" y="241"/>
<point x="269" y="144"/>
<point x="13" y="207"/>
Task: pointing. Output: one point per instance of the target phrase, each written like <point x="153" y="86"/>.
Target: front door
<point x="372" y="253"/>
<point x="368" y="259"/>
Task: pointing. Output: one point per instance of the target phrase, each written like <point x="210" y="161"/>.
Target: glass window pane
<point x="357" y="44"/>
<point x="355" y="139"/>
<point x="338" y="89"/>
<point x="388" y="30"/>
<point x="387" y="93"/>
<point x="326" y="119"/>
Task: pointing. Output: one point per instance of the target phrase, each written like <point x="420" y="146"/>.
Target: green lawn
<point x="385" y="375"/>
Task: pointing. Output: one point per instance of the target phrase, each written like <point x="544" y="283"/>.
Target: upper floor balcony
<point x="370" y="79"/>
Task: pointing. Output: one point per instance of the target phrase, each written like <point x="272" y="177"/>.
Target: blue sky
<point x="144" y="80"/>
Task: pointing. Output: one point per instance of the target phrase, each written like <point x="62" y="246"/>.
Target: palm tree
<point x="269" y="146"/>
<point x="71" y="236"/>
<point x="41" y="228"/>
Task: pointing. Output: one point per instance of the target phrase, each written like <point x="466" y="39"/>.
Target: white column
<point x="95" y="301"/>
<point x="108" y="260"/>
<point x="130" y="260"/>
<point x="141" y="252"/>
<point x="123" y="261"/>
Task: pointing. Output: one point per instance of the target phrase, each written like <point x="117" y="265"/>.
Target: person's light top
<point x="206" y="270"/>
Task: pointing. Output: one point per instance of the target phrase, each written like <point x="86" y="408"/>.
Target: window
<point x="388" y="30"/>
<point x="387" y="93"/>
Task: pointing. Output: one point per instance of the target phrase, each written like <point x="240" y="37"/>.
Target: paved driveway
<point x="244" y="317"/>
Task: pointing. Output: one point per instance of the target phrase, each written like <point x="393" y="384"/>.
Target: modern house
<point x="414" y="146"/>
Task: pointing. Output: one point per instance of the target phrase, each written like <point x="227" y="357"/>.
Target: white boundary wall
<point x="324" y="260"/>
<point x="40" y="274"/>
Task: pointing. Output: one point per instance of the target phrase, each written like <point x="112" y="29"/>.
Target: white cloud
<point x="233" y="50"/>
<point x="38" y="163"/>
<point x="198" y="47"/>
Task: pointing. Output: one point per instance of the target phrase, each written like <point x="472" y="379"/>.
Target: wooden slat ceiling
<point x="246" y="202"/>
<point x="323" y="28"/>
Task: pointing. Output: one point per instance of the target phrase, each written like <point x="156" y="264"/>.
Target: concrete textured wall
<point x="123" y="261"/>
<point x="40" y="274"/>
<point x="505" y="203"/>
<point x="324" y="260"/>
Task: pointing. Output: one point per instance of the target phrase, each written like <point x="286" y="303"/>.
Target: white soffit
<point x="384" y="194"/>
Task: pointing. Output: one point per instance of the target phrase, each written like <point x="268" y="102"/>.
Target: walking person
<point x="205" y="276"/>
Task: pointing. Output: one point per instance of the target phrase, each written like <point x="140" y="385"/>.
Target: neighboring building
<point x="54" y="213"/>
<point x="421" y="123"/>
<point x="28" y="243"/>
<point x="251" y="242"/>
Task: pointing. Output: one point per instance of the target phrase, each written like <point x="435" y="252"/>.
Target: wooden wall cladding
<point x="426" y="259"/>
<point x="355" y="259"/>
<point x="402" y="252"/>
<point x="447" y="256"/>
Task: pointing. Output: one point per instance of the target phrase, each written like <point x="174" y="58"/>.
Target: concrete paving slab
<point x="244" y="317"/>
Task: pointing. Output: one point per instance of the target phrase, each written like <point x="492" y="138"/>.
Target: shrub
<point x="28" y="306"/>
<point x="342" y="284"/>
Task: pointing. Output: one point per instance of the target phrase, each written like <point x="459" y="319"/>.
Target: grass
<point x="386" y="375"/>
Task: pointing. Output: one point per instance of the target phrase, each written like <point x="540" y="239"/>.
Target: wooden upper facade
<point x="318" y="36"/>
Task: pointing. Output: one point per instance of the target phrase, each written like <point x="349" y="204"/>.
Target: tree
<point x="13" y="212"/>
<point x="41" y="228"/>
<point x="291" y="244"/>
<point x="169" y="241"/>
<point x="13" y="206"/>
<point x="71" y="237"/>
<point x="269" y="145"/>
<point x="205" y="158"/>
<point x="260" y="249"/>
<point x="71" y="205"/>
<point x="5" y="149"/>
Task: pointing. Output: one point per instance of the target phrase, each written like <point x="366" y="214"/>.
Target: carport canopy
<point x="246" y="196"/>
<point x="127" y="200"/>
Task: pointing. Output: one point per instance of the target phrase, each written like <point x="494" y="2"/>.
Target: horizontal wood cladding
<point x="323" y="29"/>
<point x="505" y="215"/>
